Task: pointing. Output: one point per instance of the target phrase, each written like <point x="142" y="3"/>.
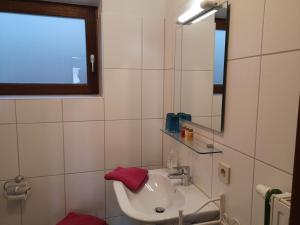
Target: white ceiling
<point x="77" y="2"/>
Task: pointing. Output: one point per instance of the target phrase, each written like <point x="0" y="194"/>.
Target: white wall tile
<point x="46" y="203"/>
<point x="119" y="6"/>
<point x="198" y="46"/>
<point x="177" y="91"/>
<point x="168" y="91"/>
<point x="246" y="23"/>
<point x="83" y="109"/>
<point x="122" y="42"/>
<point x="217" y="104"/>
<point x="122" y="91"/>
<point x="85" y="193"/>
<point x="169" y="43"/>
<point x="152" y="94"/>
<point x="241" y="105"/>
<point x="238" y="193"/>
<point x="122" y="143"/>
<point x="8" y="152"/>
<point x="84" y="146"/>
<point x="287" y="30"/>
<point x="112" y="206"/>
<point x="197" y="86"/>
<point x="10" y="211"/>
<point x="33" y="111"/>
<point x="7" y="111"/>
<point x="278" y="109"/>
<point x="135" y="7"/>
<point x="202" y="166"/>
<point x="151" y="142"/>
<point x="41" y="149"/>
<point x="153" y="42"/>
<point x="178" y="49"/>
<point x="271" y="177"/>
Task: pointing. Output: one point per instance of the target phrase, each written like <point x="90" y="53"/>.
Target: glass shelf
<point x="196" y="146"/>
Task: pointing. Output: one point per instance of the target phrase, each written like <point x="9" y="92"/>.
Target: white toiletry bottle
<point x="172" y="160"/>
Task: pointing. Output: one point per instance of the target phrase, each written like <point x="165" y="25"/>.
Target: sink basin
<point x="161" y="198"/>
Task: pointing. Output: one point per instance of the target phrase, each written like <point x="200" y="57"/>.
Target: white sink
<point x="170" y="195"/>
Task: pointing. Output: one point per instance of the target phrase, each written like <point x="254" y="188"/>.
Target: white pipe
<point x="262" y="190"/>
<point x="214" y="222"/>
<point x="222" y="209"/>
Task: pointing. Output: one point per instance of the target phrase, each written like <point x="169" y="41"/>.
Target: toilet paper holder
<point x="16" y="189"/>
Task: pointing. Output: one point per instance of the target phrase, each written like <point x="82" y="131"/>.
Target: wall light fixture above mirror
<point x="201" y="64"/>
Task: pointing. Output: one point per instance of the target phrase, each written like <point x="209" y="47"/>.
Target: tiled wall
<point x="263" y="87"/>
<point x="64" y="145"/>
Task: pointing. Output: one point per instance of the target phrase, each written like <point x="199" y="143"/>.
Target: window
<point x="48" y="48"/>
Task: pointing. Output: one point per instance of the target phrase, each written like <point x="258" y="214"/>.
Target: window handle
<point x="92" y="59"/>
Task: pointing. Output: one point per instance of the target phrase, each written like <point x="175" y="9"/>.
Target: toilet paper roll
<point x="262" y="190"/>
<point x="16" y="197"/>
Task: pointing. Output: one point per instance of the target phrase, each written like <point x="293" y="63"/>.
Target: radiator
<point x="280" y="209"/>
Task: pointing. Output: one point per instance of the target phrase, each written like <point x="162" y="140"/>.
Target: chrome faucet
<point x="183" y="173"/>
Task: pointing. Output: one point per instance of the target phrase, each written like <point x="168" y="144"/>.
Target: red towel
<point x="80" y="219"/>
<point x="133" y="178"/>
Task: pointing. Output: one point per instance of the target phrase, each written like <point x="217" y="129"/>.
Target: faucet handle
<point x="183" y="169"/>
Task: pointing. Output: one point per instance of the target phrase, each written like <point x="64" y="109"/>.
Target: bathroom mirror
<point x="200" y="69"/>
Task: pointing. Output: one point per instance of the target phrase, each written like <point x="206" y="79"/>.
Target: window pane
<point x="42" y="49"/>
<point x="220" y="42"/>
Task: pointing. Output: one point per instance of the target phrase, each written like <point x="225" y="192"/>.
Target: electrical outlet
<point x="224" y="173"/>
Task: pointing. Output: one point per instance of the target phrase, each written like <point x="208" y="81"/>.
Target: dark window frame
<point x="90" y="15"/>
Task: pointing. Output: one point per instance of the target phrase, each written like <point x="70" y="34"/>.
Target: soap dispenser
<point x="172" y="160"/>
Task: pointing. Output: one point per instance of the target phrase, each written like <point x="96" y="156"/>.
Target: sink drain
<point x="159" y="209"/>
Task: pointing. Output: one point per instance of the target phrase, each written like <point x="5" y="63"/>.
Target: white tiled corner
<point x="153" y="42"/>
<point x="198" y="43"/>
<point x="197" y="86"/>
<point x="177" y="91"/>
<point x="84" y="146"/>
<point x="287" y="29"/>
<point x="151" y="142"/>
<point x="246" y="24"/>
<point x="168" y="91"/>
<point x="82" y="109"/>
<point x="112" y="205"/>
<point x="7" y="111"/>
<point x="168" y="144"/>
<point x="122" y="220"/>
<point x="238" y="193"/>
<point x="271" y="177"/>
<point x="122" y="91"/>
<point x="178" y="49"/>
<point x="122" y="42"/>
<point x="10" y="211"/>
<point x="202" y="166"/>
<point x="46" y="203"/>
<point x="8" y="152"/>
<point x="122" y="143"/>
<point x="241" y="105"/>
<point x="169" y="43"/>
<point x="152" y="94"/>
<point x="41" y="149"/>
<point x="39" y="110"/>
<point x="278" y="109"/>
<point x="85" y="193"/>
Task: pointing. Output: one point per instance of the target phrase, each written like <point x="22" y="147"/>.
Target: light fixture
<point x="205" y="16"/>
<point x="200" y="9"/>
<point x="193" y="11"/>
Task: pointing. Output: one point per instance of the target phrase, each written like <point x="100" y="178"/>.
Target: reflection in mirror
<point x="200" y="69"/>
